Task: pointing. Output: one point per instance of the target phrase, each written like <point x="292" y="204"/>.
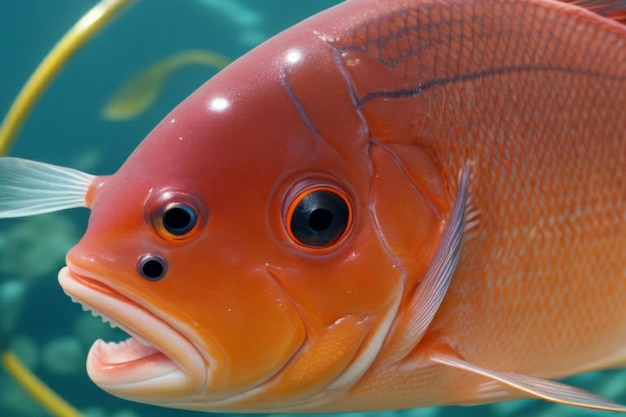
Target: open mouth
<point x="155" y="363"/>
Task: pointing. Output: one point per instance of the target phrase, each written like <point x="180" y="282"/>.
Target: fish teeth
<point x="96" y="313"/>
<point x="113" y="324"/>
<point x="83" y="306"/>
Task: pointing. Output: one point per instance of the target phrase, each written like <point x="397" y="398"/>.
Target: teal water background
<point x="49" y="332"/>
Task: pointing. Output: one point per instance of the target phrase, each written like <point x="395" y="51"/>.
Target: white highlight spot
<point x="294" y="56"/>
<point x="219" y="104"/>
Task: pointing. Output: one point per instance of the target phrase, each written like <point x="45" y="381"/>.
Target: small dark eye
<point x="176" y="215"/>
<point x="152" y="267"/>
<point x="179" y="219"/>
<point x="318" y="217"/>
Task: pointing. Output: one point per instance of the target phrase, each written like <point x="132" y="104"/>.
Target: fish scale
<point x="539" y="130"/>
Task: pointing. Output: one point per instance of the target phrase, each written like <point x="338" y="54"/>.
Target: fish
<point x="392" y="204"/>
<point x="140" y="91"/>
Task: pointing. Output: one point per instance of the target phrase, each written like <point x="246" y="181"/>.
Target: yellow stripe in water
<point x="88" y="26"/>
<point x="36" y="388"/>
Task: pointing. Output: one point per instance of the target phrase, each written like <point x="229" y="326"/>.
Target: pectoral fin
<point x="535" y="387"/>
<point x="413" y="321"/>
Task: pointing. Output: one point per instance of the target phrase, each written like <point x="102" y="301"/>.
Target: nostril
<point x="151" y="267"/>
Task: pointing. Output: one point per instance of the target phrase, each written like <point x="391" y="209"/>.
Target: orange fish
<point x="393" y="204"/>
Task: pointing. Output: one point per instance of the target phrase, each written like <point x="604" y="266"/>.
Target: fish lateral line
<point x="440" y="82"/>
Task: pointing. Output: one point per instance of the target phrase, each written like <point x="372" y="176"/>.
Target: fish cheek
<point x="242" y="319"/>
<point x="359" y="283"/>
<point x="238" y="313"/>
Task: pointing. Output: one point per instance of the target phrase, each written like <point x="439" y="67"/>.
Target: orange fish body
<point x="392" y="204"/>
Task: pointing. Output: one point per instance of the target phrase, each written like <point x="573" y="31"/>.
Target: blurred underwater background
<point x="74" y="125"/>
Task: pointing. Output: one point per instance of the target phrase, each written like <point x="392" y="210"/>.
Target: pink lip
<point x="156" y="362"/>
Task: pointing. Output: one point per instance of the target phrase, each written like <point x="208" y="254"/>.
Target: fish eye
<point x="179" y="219"/>
<point x="151" y="267"/>
<point x="175" y="214"/>
<point x="318" y="217"/>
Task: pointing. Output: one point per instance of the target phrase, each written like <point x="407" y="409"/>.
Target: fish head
<point x="252" y="244"/>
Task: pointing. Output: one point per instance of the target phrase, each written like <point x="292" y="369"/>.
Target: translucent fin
<point x="536" y="387"/>
<point x="29" y="187"/>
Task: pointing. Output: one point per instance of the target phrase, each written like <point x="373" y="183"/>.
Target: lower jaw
<point x="136" y="369"/>
<point x="127" y="362"/>
<point x="147" y="378"/>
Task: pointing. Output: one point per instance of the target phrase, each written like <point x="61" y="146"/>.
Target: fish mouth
<point x="156" y="363"/>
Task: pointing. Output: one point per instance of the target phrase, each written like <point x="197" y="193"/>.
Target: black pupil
<point x="320" y="218"/>
<point x="152" y="267"/>
<point x="179" y="220"/>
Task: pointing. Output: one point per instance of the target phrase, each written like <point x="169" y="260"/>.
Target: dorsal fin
<point x="612" y="9"/>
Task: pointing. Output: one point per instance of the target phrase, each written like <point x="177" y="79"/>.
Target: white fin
<point x="536" y="387"/>
<point x="29" y="187"/>
<point x="432" y="289"/>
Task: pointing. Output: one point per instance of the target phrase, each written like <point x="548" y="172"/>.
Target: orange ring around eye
<point x="318" y="217"/>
